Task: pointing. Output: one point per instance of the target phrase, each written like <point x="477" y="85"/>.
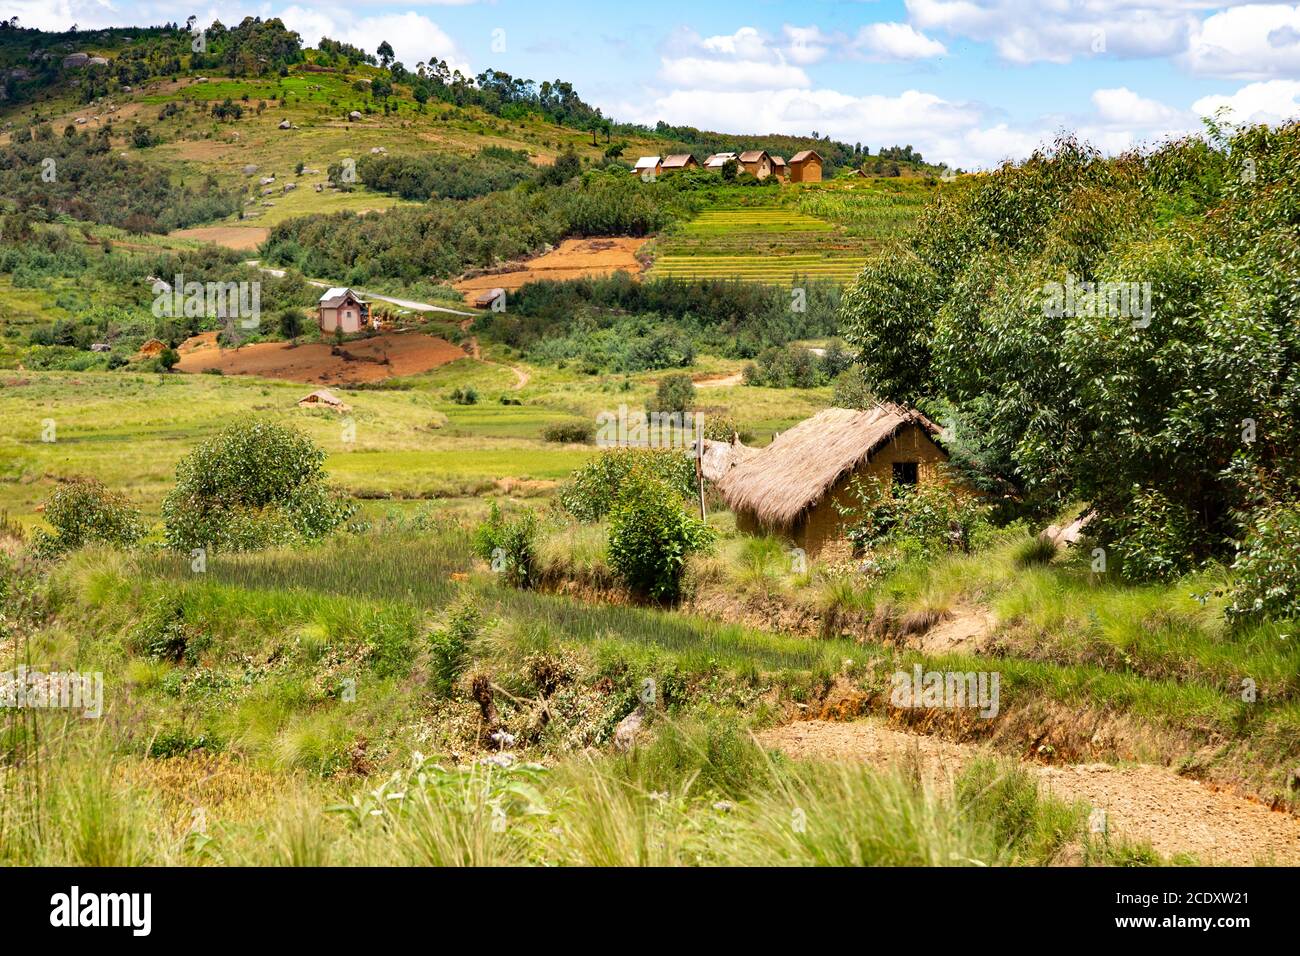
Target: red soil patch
<point x="364" y="360"/>
<point x="571" y="259"/>
<point x="241" y="238"/>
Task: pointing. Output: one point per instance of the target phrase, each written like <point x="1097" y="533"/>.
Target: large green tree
<point x="1124" y="330"/>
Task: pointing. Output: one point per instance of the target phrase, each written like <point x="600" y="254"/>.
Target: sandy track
<point x="571" y="259"/>
<point x="721" y="381"/>
<point x="363" y="360"/>
<point x="1145" y="803"/>
<point x="242" y="238"/>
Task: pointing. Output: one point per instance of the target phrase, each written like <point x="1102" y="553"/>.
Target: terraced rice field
<point x="762" y="268"/>
<point x="760" y="244"/>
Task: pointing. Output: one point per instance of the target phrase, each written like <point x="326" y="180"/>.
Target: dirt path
<point x="720" y="381"/>
<point x="1142" y="802"/>
<point x="476" y="353"/>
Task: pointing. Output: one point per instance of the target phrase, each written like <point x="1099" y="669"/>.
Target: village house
<point x="648" y="167"/>
<point x="792" y="486"/>
<point x="806" y="167"/>
<point x="718" y="160"/>
<point x="341" y="308"/>
<point x="679" y="161"/>
<point x="757" y="163"/>
<point x="779" y="169"/>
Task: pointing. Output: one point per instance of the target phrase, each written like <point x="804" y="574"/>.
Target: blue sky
<point x="967" y="82"/>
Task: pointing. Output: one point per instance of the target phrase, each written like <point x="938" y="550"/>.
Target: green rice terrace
<point x="824" y="232"/>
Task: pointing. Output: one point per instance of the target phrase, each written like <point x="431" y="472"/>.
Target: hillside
<point x="739" y="523"/>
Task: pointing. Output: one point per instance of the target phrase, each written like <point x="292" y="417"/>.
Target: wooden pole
<point x="699" y="465"/>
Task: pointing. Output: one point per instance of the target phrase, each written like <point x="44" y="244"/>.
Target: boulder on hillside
<point x="354" y="115"/>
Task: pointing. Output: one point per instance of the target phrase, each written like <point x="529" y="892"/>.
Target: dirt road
<point x="1141" y="802"/>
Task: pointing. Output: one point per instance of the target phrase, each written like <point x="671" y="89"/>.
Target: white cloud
<point x="806" y="45"/>
<point x="1122" y="106"/>
<point x="735" y="74"/>
<point x="1254" y="42"/>
<point x="1273" y="101"/>
<point x="896" y="41"/>
<point x="414" y="37"/>
<point x="744" y="60"/>
<point x="1030" y="31"/>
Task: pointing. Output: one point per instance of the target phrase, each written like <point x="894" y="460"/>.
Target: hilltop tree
<point x="385" y="54"/>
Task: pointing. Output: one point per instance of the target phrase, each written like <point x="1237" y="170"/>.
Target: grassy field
<point x="773" y="235"/>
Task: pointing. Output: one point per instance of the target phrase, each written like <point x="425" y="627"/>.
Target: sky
<point x="966" y="82"/>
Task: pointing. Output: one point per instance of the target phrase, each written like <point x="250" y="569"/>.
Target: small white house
<point x="341" y="308"/>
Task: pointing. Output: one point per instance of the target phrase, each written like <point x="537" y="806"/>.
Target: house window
<point x="904" y="473"/>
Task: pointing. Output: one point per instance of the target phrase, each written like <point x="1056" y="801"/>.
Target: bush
<point x="509" y="546"/>
<point x="254" y="485"/>
<point x="82" y="511"/>
<point x="916" y="518"/>
<point x="675" y="393"/>
<point x="1035" y="551"/>
<point x="590" y="492"/>
<point x="1152" y="537"/>
<point x="452" y="646"/>
<point x="1267" y="569"/>
<point x="464" y="395"/>
<point x="651" y="536"/>
<point x="850" y="390"/>
<point x="290" y="323"/>
<point x="725" y="428"/>
<point x="578" y="431"/>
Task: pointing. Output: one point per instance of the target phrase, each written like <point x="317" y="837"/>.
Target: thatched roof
<point x="323" y="396"/>
<point x="722" y="456"/>
<point x="780" y="482"/>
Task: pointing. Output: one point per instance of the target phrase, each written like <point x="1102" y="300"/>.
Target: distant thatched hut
<point x="721" y="456"/>
<point x="324" y="398"/>
<point x="791" y="487"/>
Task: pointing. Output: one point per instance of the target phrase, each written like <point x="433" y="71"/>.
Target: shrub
<point x="1153" y="538"/>
<point x="725" y="428"/>
<point x="590" y="492"/>
<point x="452" y="646"/>
<point x="675" y="393"/>
<point x="918" y="518"/>
<point x="1267" y="569"/>
<point x="509" y="545"/>
<point x="651" y="536"/>
<point x="465" y="395"/>
<point x="575" y="431"/>
<point x="1035" y="551"/>
<point x="850" y="390"/>
<point x="290" y="323"/>
<point x="82" y="511"/>
<point x="254" y="485"/>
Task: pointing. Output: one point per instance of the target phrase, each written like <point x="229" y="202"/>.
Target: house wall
<point x="346" y="317"/>
<point x="823" y="523"/>
<point x="760" y="170"/>
<point x="809" y="171"/>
